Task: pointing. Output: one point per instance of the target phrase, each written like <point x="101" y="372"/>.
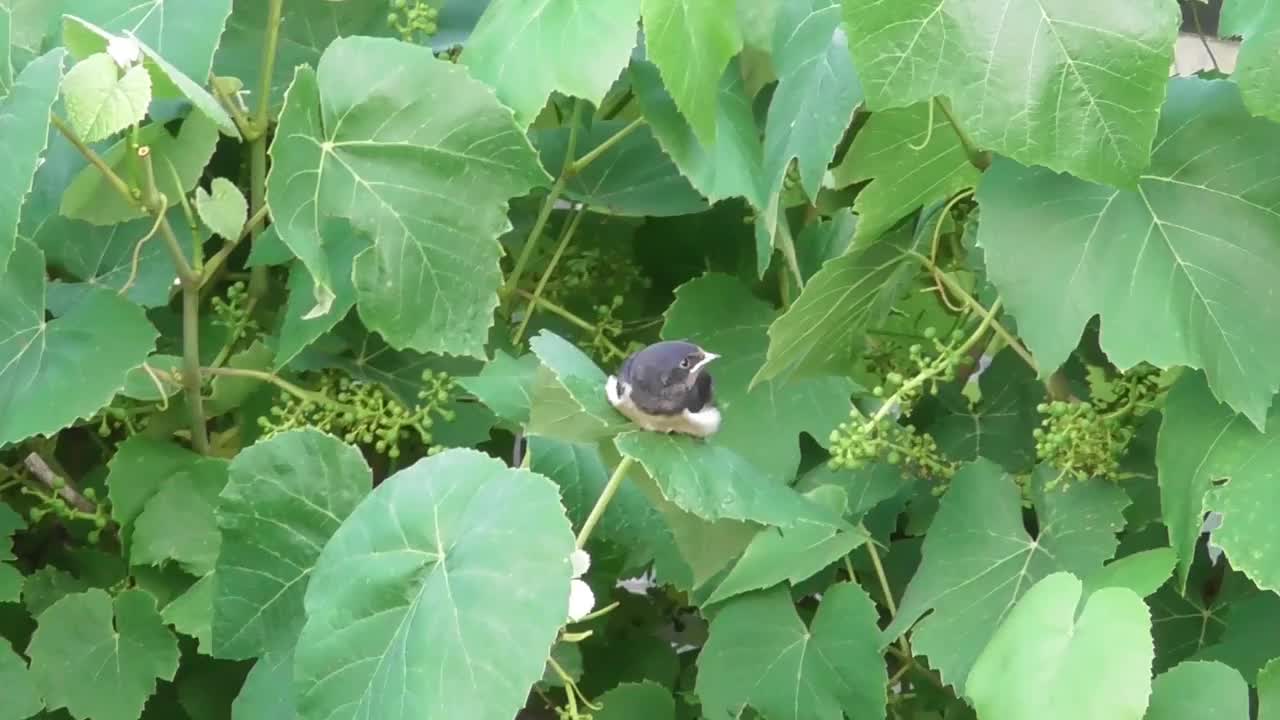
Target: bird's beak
<point x="708" y="357"/>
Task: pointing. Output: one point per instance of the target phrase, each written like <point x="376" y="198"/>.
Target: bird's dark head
<point x="668" y="364"/>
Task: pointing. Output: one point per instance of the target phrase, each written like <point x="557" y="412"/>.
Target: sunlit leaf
<point x="1178" y="267"/>
<point x="1049" y="659"/>
<point x="978" y="559"/>
<point x="1258" y="22"/>
<point x="224" y="209"/>
<point x="102" y="101"/>
<point x="691" y="42"/>
<point x="1071" y="86"/>
<point x="443" y="564"/>
<point x="367" y="137"/>
<point x="184" y="32"/>
<point x="505" y="385"/>
<point x="289" y="493"/>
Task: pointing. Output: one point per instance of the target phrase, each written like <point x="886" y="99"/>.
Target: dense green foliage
<point x="307" y="308"/>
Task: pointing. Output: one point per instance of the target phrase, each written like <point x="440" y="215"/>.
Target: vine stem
<point x="298" y="392"/>
<point x="258" y="277"/>
<point x="113" y="179"/>
<point x="602" y="503"/>
<point x="973" y="304"/>
<point x="548" y="204"/>
<point x="977" y="158"/>
<point x="565" y="236"/>
<point x="581" y="163"/>
<point x="214" y="263"/>
<point x="788" y="247"/>
<point x="555" y="309"/>
<point x="883" y="579"/>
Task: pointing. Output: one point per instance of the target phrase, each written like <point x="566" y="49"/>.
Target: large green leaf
<point x="1175" y="267"/>
<point x="54" y="372"/>
<point x="441" y="594"/>
<point x="267" y="691"/>
<point x="184" y="32"/>
<point x="721" y="315"/>
<point x="527" y="50"/>
<point x="1071" y="86"/>
<point x="824" y="330"/>
<point x="100" y="658"/>
<point x="367" y="137"/>
<point x="817" y="93"/>
<point x="24" y="124"/>
<point x="633" y="177"/>
<point x="21" y="696"/>
<point x="913" y="158"/>
<point x="179" y="161"/>
<point x="505" y="385"/>
<point x="101" y="101"/>
<point x="1203" y="440"/>
<point x="568" y="396"/>
<point x="691" y="43"/>
<point x="1051" y="661"/>
<point x="289" y="493"/>
<point x="978" y="559"/>
<point x="191" y="613"/>
<point x="178" y="522"/>
<point x="636" y="701"/>
<point x="141" y="468"/>
<point x="300" y="327"/>
<point x="1258" y="22"/>
<point x="760" y="654"/>
<point x="1197" y="690"/>
<point x="729" y="167"/>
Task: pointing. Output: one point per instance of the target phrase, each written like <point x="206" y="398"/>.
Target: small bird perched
<point x="666" y="388"/>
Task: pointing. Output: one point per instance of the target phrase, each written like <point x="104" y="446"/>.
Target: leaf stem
<point x="883" y="579"/>
<point x="258" y="276"/>
<point x="566" y="235"/>
<point x="594" y="154"/>
<point x="788" y="247"/>
<point x="113" y="179"/>
<point x="275" y="10"/>
<point x="243" y="123"/>
<point x="978" y="158"/>
<point x="214" y="263"/>
<point x="555" y="309"/>
<point x="606" y="495"/>
<point x="548" y="204"/>
<point x="296" y="391"/>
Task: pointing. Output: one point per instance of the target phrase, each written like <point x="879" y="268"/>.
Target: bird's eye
<point x="685" y="363"/>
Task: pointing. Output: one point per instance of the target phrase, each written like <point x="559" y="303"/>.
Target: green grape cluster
<point x="234" y="313"/>
<point x="1088" y="439"/>
<point x="54" y="504"/>
<point x="410" y="17"/>
<point x="862" y="439"/>
<point x="594" y="273"/>
<point x="365" y="413"/>
<point x="602" y="344"/>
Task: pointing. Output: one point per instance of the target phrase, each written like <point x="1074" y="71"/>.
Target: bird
<point x="666" y="388"/>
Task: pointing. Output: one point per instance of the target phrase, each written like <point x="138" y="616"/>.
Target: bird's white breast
<point x="703" y="423"/>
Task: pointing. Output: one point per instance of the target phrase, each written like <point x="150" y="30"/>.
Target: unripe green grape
<point x="94" y="536"/>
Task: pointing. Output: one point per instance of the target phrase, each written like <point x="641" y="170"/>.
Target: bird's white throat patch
<point x="703" y="423"/>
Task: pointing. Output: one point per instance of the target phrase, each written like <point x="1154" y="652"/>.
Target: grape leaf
<point x="1195" y="690"/>
<point x="760" y="654"/>
<point x="632" y="178"/>
<point x="569" y="401"/>
<point x="183" y="158"/>
<point x="913" y="158"/>
<point x="527" y="50"/>
<point x="1045" y="661"/>
<point x="442" y="565"/>
<point x="824" y="329"/>
<point x="24" y="124"/>
<point x="817" y="93"/>
<point x="224" y="210"/>
<point x="54" y="372"/>
<point x="721" y="315"/>
<point x="823" y="240"/>
<point x="1203" y="440"/>
<point x="267" y="690"/>
<point x="978" y="559"/>
<point x="714" y="482"/>
<point x="636" y="701"/>
<point x="178" y="521"/>
<point x="366" y="137"/>
<point x="186" y="32"/>
<point x="1269" y="691"/>
<point x="1251" y="634"/>
<point x="342" y="243"/>
<point x="691" y="43"/>
<point x="729" y="167"/>
<point x="142" y="467"/>
<point x="191" y="613"/>
<point x="21" y="697"/>
<point x="505" y="385"/>
<point x="1258" y="22"/>
<point x="1142" y="572"/>
<point x="289" y="493"/>
<point x="1069" y="86"/>
<point x="167" y="82"/>
<point x="1197" y="232"/>
<point x="999" y="426"/>
<point x="101" y="101"/>
<point x="10" y="577"/>
<point x="48" y="585"/>
<point x="774" y="556"/>
<point x="112" y="650"/>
